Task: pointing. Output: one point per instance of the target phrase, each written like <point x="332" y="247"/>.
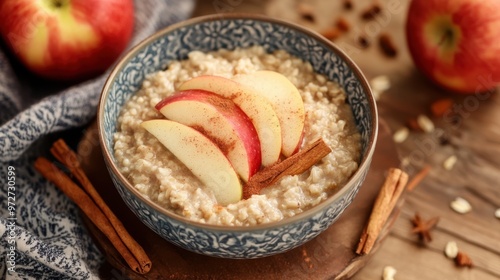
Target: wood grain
<point x="474" y="139"/>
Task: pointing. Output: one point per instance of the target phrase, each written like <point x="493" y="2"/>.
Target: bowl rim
<point x="132" y="52"/>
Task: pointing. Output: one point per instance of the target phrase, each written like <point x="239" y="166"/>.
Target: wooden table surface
<point x="473" y="137"/>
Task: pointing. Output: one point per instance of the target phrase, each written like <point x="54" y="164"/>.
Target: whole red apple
<point x="456" y="43"/>
<point x="67" y="39"/>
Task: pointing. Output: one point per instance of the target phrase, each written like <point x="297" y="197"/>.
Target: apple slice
<point x="286" y="101"/>
<point x="200" y="155"/>
<point x="256" y="107"/>
<point x="221" y="121"/>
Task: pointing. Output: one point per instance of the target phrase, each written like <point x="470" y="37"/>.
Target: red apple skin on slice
<point x="221" y="121"/>
<point x="286" y="101"/>
<point x="256" y="107"/>
<point x="201" y="156"/>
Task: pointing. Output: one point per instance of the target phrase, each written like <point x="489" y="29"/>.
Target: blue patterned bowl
<point x="212" y="33"/>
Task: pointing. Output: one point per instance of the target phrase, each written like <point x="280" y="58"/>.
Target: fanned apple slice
<point x="286" y="101"/>
<point x="220" y="120"/>
<point x="256" y="107"/>
<point x="200" y="155"/>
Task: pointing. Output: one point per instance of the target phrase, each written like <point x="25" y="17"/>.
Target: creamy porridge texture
<point x="156" y="173"/>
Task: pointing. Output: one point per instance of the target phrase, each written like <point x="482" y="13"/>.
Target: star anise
<point x="423" y="227"/>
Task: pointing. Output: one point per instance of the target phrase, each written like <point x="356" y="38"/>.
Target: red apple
<point x="67" y="39"/>
<point x="221" y="121"/>
<point x="456" y="43"/>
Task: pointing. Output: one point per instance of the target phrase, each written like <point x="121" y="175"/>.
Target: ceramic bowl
<point x="210" y="33"/>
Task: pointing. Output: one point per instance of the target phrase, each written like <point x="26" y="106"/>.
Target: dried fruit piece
<point x="401" y="135"/>
<point x="363" y="42"/>
<point x="444" y="139"/>
<point x="306" y="12"/>
<point x="387" y="45"/>
<point x="347" y="4"/>
<point x="441" y="107"/>
<point x="343" y="24"/>
<point x="389" y="273"/>
<point x="413" y="125"/>
<point x="451" y="249"/>
<point x="371" y="12"/>
<point x="461" y="205"/>
<point x="462" y="259"/>
<point x="450" y="162"/>
<point x="425" y="123"/>
<point x="331" y="33"/>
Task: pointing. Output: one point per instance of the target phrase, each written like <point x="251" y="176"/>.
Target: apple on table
<point x="455" y="43"/>
<point x="66" y="39"/>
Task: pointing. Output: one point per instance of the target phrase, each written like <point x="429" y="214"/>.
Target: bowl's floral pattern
<point x="214" y="33"/>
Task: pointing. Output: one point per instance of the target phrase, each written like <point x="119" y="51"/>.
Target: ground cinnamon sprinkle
<point x="307" y="259"/>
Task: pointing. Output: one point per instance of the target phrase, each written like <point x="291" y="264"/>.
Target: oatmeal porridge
<point x="160" y="176"/>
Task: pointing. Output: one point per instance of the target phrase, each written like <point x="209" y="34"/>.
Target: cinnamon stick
<point x="68" y="158"/>
<point x="293" y="165"/>
<point x="384" y="204"/>
<point x="87" y="205"/>
<point x="418" y="177"/>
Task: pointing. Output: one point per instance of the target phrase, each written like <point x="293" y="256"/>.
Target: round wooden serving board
<point x="331" y="255"/>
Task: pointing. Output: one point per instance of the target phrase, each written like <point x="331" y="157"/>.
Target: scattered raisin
<point x="363" y="42"/>
<point x="387" y="45"/>
<point x="371" y="12"/>
<point x="348" y="5"/>
<point x="343" y="24"/>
